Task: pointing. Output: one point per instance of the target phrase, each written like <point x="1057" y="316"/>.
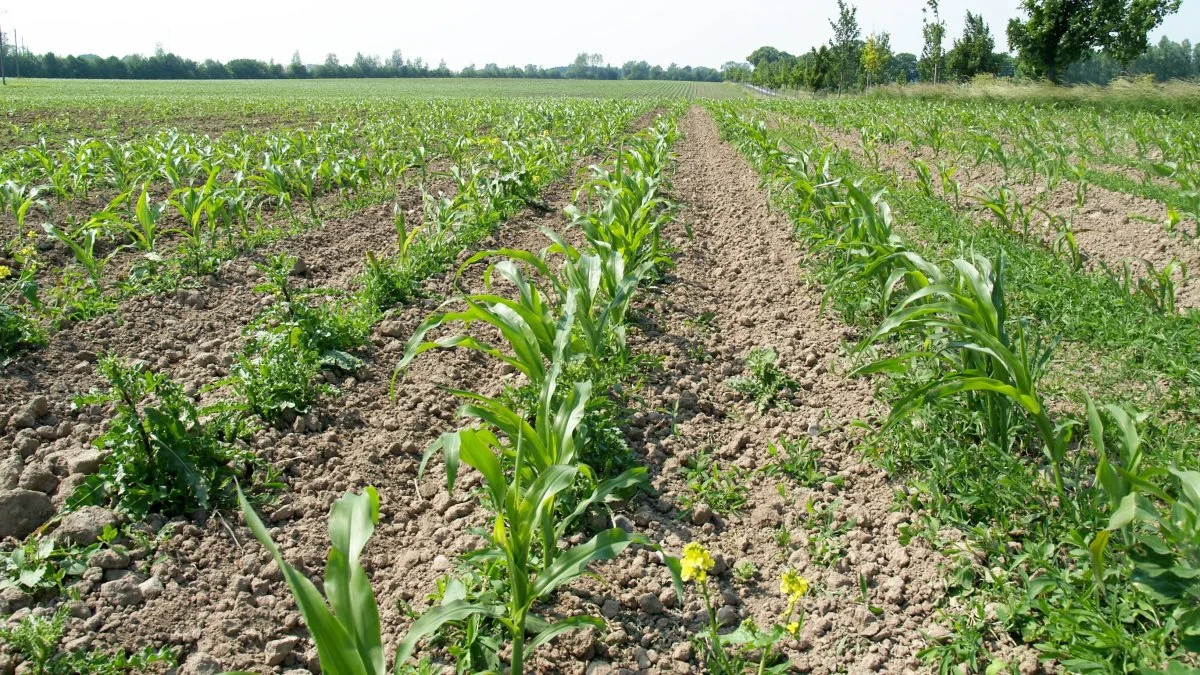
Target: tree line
<point x="164" y="65"/>
<point x="1080" y="41"/>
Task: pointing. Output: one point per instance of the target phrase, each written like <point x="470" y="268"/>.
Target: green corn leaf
<point x="434" y="619"/>
<point x="335" y="648"/>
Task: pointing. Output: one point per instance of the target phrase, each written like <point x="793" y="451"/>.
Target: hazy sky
<point x="689" y="32"/>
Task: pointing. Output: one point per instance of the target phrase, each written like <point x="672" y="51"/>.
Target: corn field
<point x="660" y="379"/>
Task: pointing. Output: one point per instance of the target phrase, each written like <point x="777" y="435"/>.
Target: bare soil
<point x="1111" y="227"/>
<point x="737" y="285"/>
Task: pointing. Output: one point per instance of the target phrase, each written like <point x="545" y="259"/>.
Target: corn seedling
<point x="965" y="318"/>
<point x="345" y="621"/>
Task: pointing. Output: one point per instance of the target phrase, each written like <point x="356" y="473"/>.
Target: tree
<point x="818" y="72"/>
<point x="904" y="67"/>
<point x="845" y="44"/>
<point x="933" y="55"/>
<point x="974" y="53"/>
<point x="876" y="55"/>
<point x="296" y="68"/>
<point x="764" y="55"/>
<point x="1057" y="33"/>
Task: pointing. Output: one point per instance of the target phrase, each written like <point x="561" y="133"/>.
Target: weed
<point x="723" y="489"/>
<point x="162" y="456"/>
<point x="764" y="380"/>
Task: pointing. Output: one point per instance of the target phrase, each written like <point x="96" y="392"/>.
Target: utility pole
<point x="17" y="47"/>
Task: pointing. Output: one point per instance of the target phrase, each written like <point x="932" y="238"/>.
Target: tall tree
<point x="818" y="74"/>
<point x="974" y="53"/>
<point x="933" y="55"/>
<point x="845" y="44"/>
<point x="297" y="68"/>
<point x="1056" y="33"/>
<point x="876" y="55"/>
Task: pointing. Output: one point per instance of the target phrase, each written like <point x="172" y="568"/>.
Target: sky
<point x="542" y="32"/>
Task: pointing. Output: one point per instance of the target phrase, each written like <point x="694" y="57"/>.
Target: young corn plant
<point x="964" y="317"/>
<point x="145" y="231"/>
<point x="83" y="245"/>
<point x="527" y="471"/>
<point x="345" y="621"/>
<point x="1154" y="521"/>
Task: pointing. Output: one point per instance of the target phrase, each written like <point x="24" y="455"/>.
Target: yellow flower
<point x="31" y="234"/>
<point x="5" y="272"/>
<point x="792" y="585"/>
<point x="696" y="563"/>
<point x="793" y="627"/>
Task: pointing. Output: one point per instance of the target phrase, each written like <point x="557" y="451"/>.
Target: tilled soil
<point x="221" y="602"/>
<point x="1111" y="227"/>
<point x="737" y="286"/>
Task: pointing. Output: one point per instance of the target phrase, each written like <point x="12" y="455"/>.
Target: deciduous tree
<point x="1056" y="33"/>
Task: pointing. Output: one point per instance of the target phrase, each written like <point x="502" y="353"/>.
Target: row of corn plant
<point x="223" y="216"/>
<point x="567" y="315"/>
<point x="1041" y="144"/>
<point x="1121" y="567"/>
<point x="168" y="456"/>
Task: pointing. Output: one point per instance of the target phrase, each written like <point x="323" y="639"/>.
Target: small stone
<point x="300" y="268"/>
<point x="86" y="462"/>
<point x="23" y="511"/>
<point x="459" y="511"/>
<point x="10" y="471"/>
<point x="702" y="514"/>
<point x="206" y="359"/>
<point x="650" y="604"/>
<point x="441" y="563"/>
<point x="78" y="609"/>
<point x="610" y="609"/>
<point x="27" y="443"/>
<point x="38" y="477"/>
<point x="200" y="664"/>
<point x="392" y="329"/>
<point x="122" y="592"/>
<point x="38" y="406"/>
<point x="683" y="652"/>
<point x="15" y="599"/>
<point x="24" y="420"/>
<point x="151" y="588"/>
<point x="278" y="650"/>
<point x="109" y="559"/>
<point x="727" y="616"/>
<point x="84" y="527"/>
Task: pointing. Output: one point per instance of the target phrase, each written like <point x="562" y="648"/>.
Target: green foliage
<point x="36" y="640"/>
<point x="974" y="52"/>
<point x="163" y="456"/>
<point x="276" y="379"/>
<point x="1056" y="33"/>
<point x="330" y="329"/>
<point x="764" y="381"/>
<point x="1155" y="515"/>
<point x="796" y="459"/>
<point x="345" y="621"/>
<point x="723" y="489"/>
<point x="43" y="564"/>
<point x="18" y="332"/>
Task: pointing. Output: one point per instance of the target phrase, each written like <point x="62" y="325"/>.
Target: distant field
<point x="35" y="91"/>
<point x="125" y="108"/>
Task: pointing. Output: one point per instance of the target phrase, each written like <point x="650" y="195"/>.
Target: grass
<point x="1177" y="95"/>
<point x="1047" y="571"/>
